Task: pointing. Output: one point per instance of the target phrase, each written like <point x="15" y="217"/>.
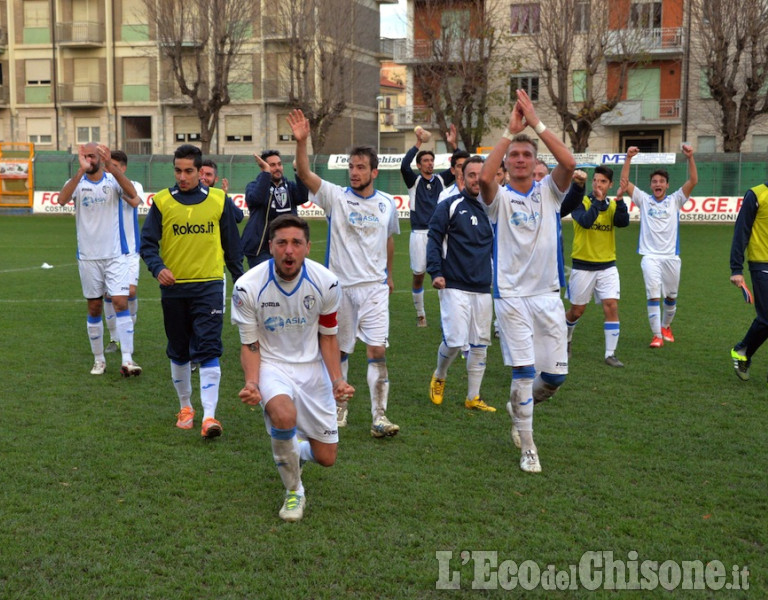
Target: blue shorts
<point x="193" y="327"/>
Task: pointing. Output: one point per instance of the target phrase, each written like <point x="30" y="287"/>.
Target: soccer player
<point x="189" y="233"/>
<point x="286" y="309"/>
<point x="362" y="221"/>
<point x="131" y="223"/>
<point x="458" y="158"/>
<point x="660" y="241"/>
<point x="459" y="262"/>
<point x="528" y="268"/>
<point x="99" y="190"/>
<point x="594" y="269"/>
<point x="541" y="170"/>
<point x="209" y="177"/>
<point x="751" y="235"/>
<point x="423" y="191"/>
<point x="268" y="196"/>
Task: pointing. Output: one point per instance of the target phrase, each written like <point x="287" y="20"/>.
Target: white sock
<point x="669" y="312"/>
<point x="285" y="451"/>
<point x="445" y="357"/>
<point x="571" y="326"/>
<point x="96" y="336"/>
<point x="418" y="302"/>
<point x="654" y="317"/>
<point x="345" y="367"/>
<point x="611" y="330"/>
<point x="475" y="370"/>
<point x="521" y="396"/>
<point x="125" y="334"/>
<point x="378" y="384"/>
<point x="133" y="307"/>
<point x="305" y="452"/>
<point x="109" y="317"/>
<point x="210" y="376"/>
<point x="182" y="381"/>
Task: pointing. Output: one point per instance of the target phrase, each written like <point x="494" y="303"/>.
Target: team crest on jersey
<point x="281" y="197"/>
<point x="309" y="302"/>
<point x="536" y="196"/>
<point x="382" y="208"/>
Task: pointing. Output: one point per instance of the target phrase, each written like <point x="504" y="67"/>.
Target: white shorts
<point x="418" y="251"/>
<point x="309" y="387"/>
<point x="603" y="284"/>
<point x="108" y="275"/>
<point x="363" y="313"/>
<point x="533" y="332"/>
<point x="465" y="317"/>
<point x="661" y="276"/>
<point x="135" y="268"/>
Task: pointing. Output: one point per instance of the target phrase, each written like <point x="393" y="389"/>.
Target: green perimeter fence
<point x="719" y="174"/>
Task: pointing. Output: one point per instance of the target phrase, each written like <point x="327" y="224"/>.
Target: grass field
<point x="102" y="497"/>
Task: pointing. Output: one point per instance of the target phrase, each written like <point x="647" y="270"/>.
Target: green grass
<point x="102" y="497"/>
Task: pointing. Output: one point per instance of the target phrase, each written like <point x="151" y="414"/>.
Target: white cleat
<point x="293" y="507"/>
<point x="130" y="368"/>
<point x="514" y="433"/>
<point x="383" y="427"/>
<point x="113" y="346"/>
<point x="529" y="462"/>
<point x="341" y="414"/>
<point x="98" y="368"/>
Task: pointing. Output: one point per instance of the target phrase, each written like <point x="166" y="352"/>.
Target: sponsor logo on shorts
<point x="330" y="432"/>
<point x="193" y="229"/>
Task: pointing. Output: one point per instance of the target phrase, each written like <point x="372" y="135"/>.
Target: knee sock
<point x="521" y="397"/>
<point x="181" y="374"/>
<point x="654" y="317"/>
<point x="125" y="334"/>
<point x="418" y="301"/>
<point x="475" y="370"/>
<point x="378" y="384"/>
<point x="96" y="336"/>
<point x="611" y="330"/>
<point x="133" y="307"/>
<point x="210" y="376"/>
<point x="109" y="317"/>
<point x="285" y="451"/>
<point x="445" y="356"/>
<point x="670" y="308"/>
<point x="571" y="326"/>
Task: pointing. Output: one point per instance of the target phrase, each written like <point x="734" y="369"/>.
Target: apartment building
<point x="76" y="71"/>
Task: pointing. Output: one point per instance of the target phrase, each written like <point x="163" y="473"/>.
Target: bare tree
<point x="456" y="45"/>
<point x="731" y="49"/>
<point x="201" y="40"/>
<point x="319" y="63"/>
<point x="580" y="37"/>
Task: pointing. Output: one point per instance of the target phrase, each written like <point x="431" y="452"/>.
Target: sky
<point x="393" y="20"/>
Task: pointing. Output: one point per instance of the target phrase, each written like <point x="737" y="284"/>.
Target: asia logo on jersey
<point x="522" y="219"/>
<point x="309" y="302"/>
<point x="360" y="220"/>
<point x="274" y="323"/>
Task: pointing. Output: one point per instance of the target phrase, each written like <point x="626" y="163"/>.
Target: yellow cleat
<point x="436" y="390"/>
<point x="478" y="403"/>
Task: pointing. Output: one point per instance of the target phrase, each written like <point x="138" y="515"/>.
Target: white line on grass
<point x="34" y="268"/>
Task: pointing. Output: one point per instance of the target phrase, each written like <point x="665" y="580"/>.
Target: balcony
<point x="80" y="34"/>
<point x="643" y="112"/>
<point x="82" y="95"/>
<point x="456" y="50"/>
<point x="137" y="146"/>
<point x="3" y="39"/>
<point x="406" y="117"/>
<point x="170" y="94"/>
<point x="659" y="43"/>
<point x="191" y="38"/>
<point x="275" y="28"/>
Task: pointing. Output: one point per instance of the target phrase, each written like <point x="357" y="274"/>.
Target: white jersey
<point x="130" y="219"/>
<point x="358" y="230"/>
<point x="285" y="317"/>
<point x="659" y="223"/>
<point x="526" y="255"/>
<point x="449" y="192"/>
<point x="100" y="229"/>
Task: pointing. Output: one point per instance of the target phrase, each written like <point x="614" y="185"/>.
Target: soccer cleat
<point x="514" y="433"/>
<point x="656" y="342"/>
<point x="211" y="428"/>
<point x="341" y="414"/>
<point x="478" y="403"/>
<point x="421" y="321"/>
<point x="740" y="365"/>
<point x="612" y="361"/>
<point x="113" y="346"/>
<point x="98" y="368"/>
<point x="383" y="427"/>
<point x="293" y="507"/>
<point x="529" y="462"/>
<point x="185" y="418"/>
<point x="436" y="390"/>
<point x="666" y="334"/>
<point x="130" y="368"/>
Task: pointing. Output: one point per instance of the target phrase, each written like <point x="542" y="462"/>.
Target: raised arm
<point x="693" y="173"/>
<point x="65" y="195"/>
<point x="129" y="192"/>
<point x="300" y="127"/>
<point x="488" y="184"/>
<point x="624" y="180"/>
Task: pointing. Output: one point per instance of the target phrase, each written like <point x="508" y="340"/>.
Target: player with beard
<point x="99" y="190"/>
<point x="362" y="221"/>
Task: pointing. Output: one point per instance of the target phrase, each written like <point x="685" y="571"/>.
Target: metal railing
<point x="80" y="33"/>
<point x="82" y="93"/>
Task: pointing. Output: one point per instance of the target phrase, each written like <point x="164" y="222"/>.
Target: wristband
<point x="540" y="128"/>
<point x="508" y="135"/>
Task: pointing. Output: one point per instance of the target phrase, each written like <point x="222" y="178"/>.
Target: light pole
<point x="378" y="123"/>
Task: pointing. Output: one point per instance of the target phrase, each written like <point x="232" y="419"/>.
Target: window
<point x="36" y="13"/>
<point x="186" y="129"/>
<point x="645" y="15"/>
<point x="87" y="130"/>
<point x="238" y="128"/>
<point x="40" y="131"/>
<point x="529" y="83"/>
<point x="704" y="91"/>
<point x="525" y="18"/>
<point x="759" y="143"/>
<point x="706" y="143"/>
<point x="581" y="17"/>
<point x="455" y="23"/>
<point x="38" y="71"/>
<point x="136" y="71"/>
<point x="284" y="132"/>
<point x="579" y="80"/>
